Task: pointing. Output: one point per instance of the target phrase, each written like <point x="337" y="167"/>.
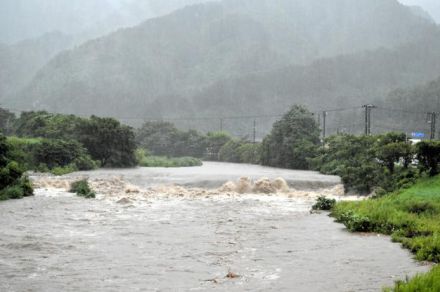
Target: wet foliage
<point x="82" y="189"/>
<point x="426" y="282"/>
<point x="411" y="216"/>
<point x="13" y="183"/>
<point x="292" y="141"/>
<point x="324" y="204"/>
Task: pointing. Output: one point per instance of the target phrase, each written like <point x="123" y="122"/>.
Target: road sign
<point x="418" y="135"/>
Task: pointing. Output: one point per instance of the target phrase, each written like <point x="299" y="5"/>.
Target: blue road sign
<point x="418" y="135"/>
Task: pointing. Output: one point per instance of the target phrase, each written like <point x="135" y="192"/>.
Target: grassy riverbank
<point x="160" y="161"/>
<point x="411" y="216"/>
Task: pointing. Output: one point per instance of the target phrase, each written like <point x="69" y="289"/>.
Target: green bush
<point x="324" y="204"/>
<point x="82" y="189"/>
<point x="12" y="192"/>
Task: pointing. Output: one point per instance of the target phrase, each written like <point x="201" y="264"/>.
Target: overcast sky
<point x="432" y="6"/>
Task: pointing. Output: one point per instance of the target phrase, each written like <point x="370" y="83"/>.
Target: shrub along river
<point x="142" y="234"/>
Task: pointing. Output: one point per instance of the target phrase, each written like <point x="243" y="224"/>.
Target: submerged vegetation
<point x="324" y="204"/>
<point x="82" y="189"/>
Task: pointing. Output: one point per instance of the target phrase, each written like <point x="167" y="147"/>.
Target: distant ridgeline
<point x="240" y="59"/>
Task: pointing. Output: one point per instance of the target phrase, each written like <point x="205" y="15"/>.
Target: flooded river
<point x="56" y="241"/>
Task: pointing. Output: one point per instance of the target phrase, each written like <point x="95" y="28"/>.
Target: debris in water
<point x="232" y="275"/>
<point x="124" y="201"/>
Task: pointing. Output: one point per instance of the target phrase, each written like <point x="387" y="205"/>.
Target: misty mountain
<point x="29" y="19"/>
<point x="84" y="19"/>
<point x="350" y="80"/>
<point x="20" y="62"/>
<point x="182" y="53"/>
<point x="406" y="110"/>
<point x="419" y="11"/>
<point x="49" y="27"/>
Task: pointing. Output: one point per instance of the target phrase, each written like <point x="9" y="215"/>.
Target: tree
<point x="391" y="148"/>
<point x="162" y="138"/>
<point x="158" y="138"/>
<point x="13" y="183"/>
<point x="229" y="151"/>
<point x="46" y="125"/>
<point x="61" y="153"/>
<point x="428" y="154"/>
<point x="214" y="142"/>
<point x="6" y="120"/>
<point x="108" y="141"/>
<point x="296" y="131"/>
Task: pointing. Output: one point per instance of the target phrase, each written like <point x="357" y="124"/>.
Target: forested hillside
<point x="182" y="53"/>
<point x="20" y="62"/>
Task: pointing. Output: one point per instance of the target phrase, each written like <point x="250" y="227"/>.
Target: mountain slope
<point x="195" y="47"/>
<point x="20" y="62"/>
<point x="86" y="19"/>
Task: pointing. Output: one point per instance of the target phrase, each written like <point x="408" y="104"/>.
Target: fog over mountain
<point x="29" y="19"/>
<point x="33" y="31"/>
<point x="231" y="57"/>
<point x="430" y="6"/>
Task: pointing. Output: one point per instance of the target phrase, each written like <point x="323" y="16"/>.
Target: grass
<point x="59" y="171"/>
<point x="427" y="282"/>
<point x="410" y="216"/>
<point x="159" y="161"/>
<point x="82" y="189"/>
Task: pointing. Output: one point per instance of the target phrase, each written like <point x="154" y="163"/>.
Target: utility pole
<point x="368" y="108"/>
<point x="432" y="120"/>
<point x="324" y="120"/>
<point x="254" y="134"/>
<point x="221" y="124"/>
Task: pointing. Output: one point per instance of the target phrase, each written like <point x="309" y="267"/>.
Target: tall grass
<point x="410" y="216"/>
<point x="159" y="161"/>
<point x="429" y="282"/>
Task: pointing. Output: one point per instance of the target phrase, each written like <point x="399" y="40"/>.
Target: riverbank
<point x="411" y="216"/>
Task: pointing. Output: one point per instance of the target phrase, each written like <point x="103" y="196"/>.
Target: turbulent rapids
<point x="219" y="227"/>
<point x="117" y="189"/>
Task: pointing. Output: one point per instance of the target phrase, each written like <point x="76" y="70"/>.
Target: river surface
<point x="56" y="241"/>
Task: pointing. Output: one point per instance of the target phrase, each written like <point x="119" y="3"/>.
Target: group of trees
<point x="164" y="139"/>
<point x="365" y="163"/>
<point x="13" y="183"/>
<point x="380" y="163"/>
<point x="44" y="141"/>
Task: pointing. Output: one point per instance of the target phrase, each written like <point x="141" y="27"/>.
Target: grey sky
<point x="431" y="6"/>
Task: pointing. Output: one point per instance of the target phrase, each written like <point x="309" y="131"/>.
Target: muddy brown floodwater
<point x="56" y="241"/>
